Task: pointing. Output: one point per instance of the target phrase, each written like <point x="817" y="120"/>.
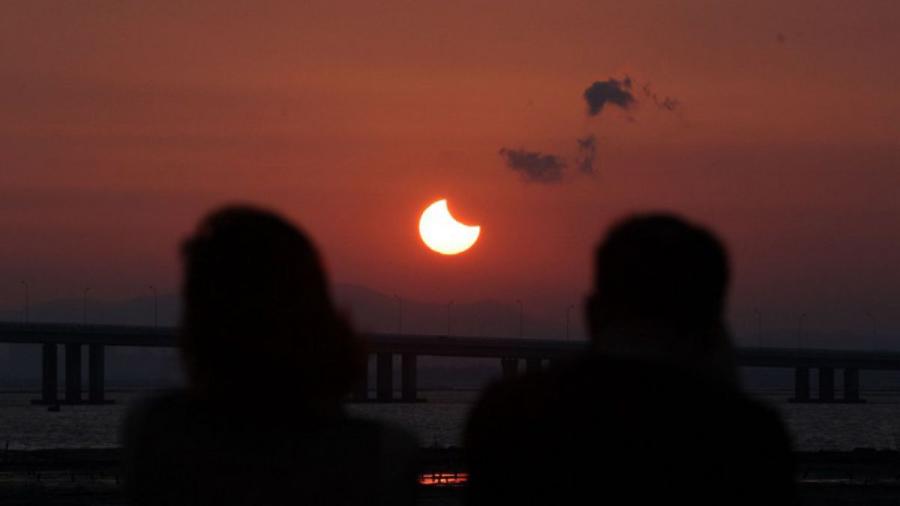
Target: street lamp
<point x="874" y="327"/>
<point x="399" y="314"/>
<point x="155" y="305"/>
<point x="758" y="326"/>
<point x="84" y="306"/>
<point x="800" y="329"/>
<point x="27" y="302"/>
<point x="521" y="316"/>
<point x="448" y="317"/>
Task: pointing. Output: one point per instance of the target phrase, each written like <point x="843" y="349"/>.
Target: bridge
<point x="409" y="347"/>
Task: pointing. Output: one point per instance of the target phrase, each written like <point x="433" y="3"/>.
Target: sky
<point x="123" y="123"/>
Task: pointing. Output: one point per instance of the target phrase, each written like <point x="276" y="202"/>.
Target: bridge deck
<point x="448" y="346"/>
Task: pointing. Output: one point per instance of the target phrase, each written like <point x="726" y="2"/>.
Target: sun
<point x="442" y="233"/>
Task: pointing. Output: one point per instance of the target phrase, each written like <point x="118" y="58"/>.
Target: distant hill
<point x="370" y="311"/>
<point x="374" y="311"/>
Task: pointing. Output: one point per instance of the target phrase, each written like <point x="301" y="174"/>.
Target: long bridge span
<point x="510" y="352"/>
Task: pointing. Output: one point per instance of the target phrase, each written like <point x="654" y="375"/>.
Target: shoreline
<point x="863" y="465"/>
<point x="93" y="476"/>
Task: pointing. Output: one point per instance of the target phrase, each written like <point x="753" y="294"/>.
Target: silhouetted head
<point x="258" y="317"/>
<point x="660" y="282"/>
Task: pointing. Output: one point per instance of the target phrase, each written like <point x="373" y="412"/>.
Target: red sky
<point x="121" y="123"/>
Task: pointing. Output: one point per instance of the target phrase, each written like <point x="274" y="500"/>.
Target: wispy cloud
<point x="587" y="154"/>
<point x="661" y="102"/>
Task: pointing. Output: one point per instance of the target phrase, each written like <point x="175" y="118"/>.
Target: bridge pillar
<point x="826" y="384"/>
<point x="409" y="392"/>
<point x="96" y="373"/>
<point x="49" y="375"/>
<point x="510" y="367"/>
<point x="801" y="384"/>
<point x="73" y="373"/>
<point x="532" y="365"/>
<point x="384" y="377"/>
<point x="851" y="384"/>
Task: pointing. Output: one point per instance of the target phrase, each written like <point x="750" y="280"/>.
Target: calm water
<point x="439" y="421"/>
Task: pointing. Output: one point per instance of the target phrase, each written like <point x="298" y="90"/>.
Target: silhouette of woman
<point x="268" y="361"/>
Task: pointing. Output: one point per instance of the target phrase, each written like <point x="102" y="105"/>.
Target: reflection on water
<point x="443" y="479"/>
<point x="875" y="424"/>
<point x="439" y="422"/>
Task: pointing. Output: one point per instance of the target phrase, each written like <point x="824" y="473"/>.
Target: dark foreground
<point x="92" y="477"/>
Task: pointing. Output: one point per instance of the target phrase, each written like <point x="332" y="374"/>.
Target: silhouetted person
<point x="652" y="414"/>
<point x="269" y="360"/>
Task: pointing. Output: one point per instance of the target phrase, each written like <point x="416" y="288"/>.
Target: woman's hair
<point x="258" y="318"/>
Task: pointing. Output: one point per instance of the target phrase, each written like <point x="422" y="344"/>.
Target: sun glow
<point x="442" y="233"/>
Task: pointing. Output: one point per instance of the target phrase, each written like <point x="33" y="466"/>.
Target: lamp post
<point x="399" y="314"/>
<point x="568" y="317"/>
<point x="800" y="323"/>
<point x="521" y="316"/>
<point x="155" y="305"/>
<point x="758" y="326"/>
<point x="84" y="306"/>
<point x="27" y="302"/>
<point x="874" y="327"/>
<point x="448" y="317"/>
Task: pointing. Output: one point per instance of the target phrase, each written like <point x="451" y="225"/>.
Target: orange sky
<point x="121" y="123"/>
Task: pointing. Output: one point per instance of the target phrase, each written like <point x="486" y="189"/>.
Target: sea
<point x="439" y="421"/>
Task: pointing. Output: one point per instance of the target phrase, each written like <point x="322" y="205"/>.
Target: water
<point x="875" y="424"/>
<point x="440" y="421"/>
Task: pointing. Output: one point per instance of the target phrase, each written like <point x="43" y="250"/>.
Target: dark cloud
<point x="548" y="168"/>
<point x="666" y="103"/>
<point x="612" y="91"/>
<point x="587" y="153"/>
<point x="534" y="165"/>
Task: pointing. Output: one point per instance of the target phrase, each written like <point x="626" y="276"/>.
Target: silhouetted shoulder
<point x="599" y="426"/>
<point x="183" y="451"/>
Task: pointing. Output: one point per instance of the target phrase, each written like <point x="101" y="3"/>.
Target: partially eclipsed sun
<point x="442" y="233"/>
